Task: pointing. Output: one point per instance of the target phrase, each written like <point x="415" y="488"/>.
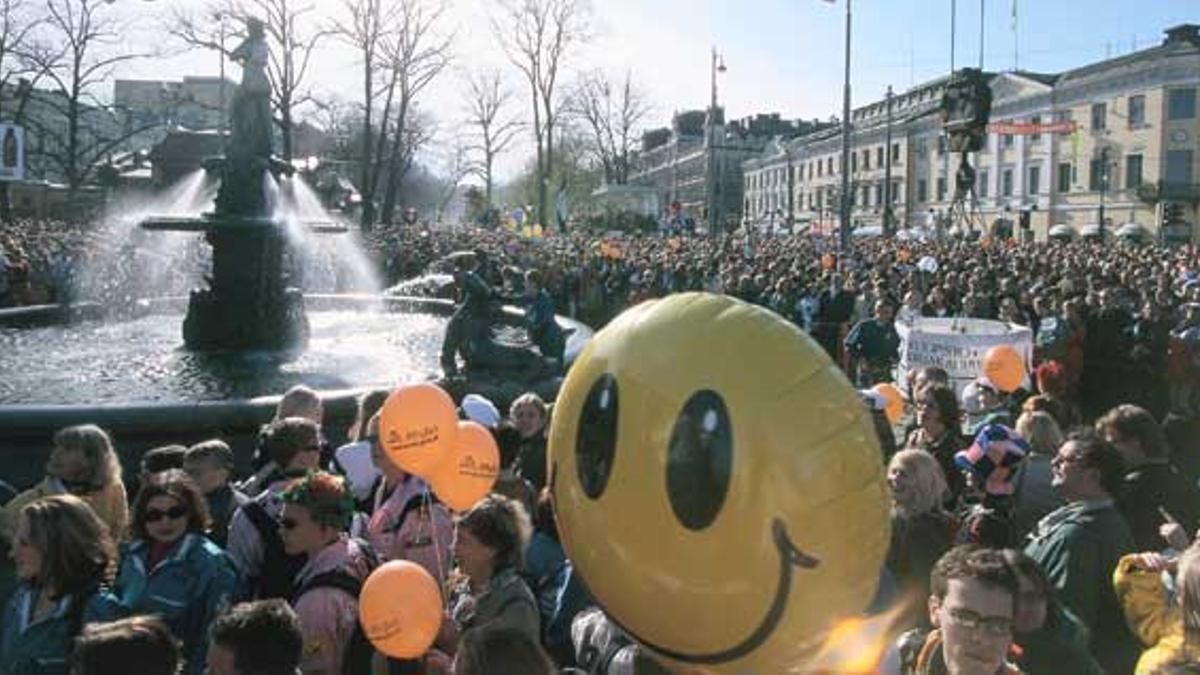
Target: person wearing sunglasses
<point x="63" y="556"/>
<point x="170" y="568"/>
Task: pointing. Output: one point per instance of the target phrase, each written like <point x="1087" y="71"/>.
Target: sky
<point x="782" y="56"/>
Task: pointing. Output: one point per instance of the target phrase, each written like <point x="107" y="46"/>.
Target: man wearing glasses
<point x="971" y="610"/>
<point x="1078" y="545"/>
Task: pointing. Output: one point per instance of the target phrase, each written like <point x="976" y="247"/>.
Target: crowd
<point x="1049" y="531"/>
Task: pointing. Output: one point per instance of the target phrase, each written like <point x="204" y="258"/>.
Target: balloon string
<point x="426" y="503"/>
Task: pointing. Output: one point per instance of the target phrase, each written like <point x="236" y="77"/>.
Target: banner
<point x="1030" y="129"/>
<point x="957" y="346"/>
<point x="12" y="152"/>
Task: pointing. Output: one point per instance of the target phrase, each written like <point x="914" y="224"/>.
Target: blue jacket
<point x="42" y="648"/>
<point x="194" y="584"/>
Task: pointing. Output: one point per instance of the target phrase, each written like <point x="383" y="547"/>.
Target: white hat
<point x="479" y="409"/>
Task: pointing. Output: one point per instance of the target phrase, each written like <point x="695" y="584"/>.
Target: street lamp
<point x="1103" y="185"/>
<point x="844" y="226"/>
<point x="220" y="18"/>
<point x="718" y="66"/>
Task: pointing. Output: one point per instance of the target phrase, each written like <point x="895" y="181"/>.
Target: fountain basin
<point x="134" y="378"/>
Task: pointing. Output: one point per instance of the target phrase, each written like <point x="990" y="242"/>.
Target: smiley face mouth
<point x="789" y="557"/>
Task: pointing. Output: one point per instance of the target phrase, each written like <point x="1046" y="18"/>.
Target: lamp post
<point x="844" y="226"/>
<point x="1103" y="185"/>
<point x="710" y="192"/>
<point x="887" y="170"/>
<point x="220" y="17"/>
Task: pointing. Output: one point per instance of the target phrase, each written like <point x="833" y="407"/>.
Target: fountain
<point x="248" y="305"/>
<point x="256" y="329"/>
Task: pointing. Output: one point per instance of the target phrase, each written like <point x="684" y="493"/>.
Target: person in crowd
<point x="1048" y="637"/>
<point x="255" y="546"/>
<point x="499" y="651"/>
<point x="873" y="346"/>
<point x="407" y="522"/>
<point x="255" y="638"/>
<point x="530" y="414"/>
<point x="490" y="545"/>
<point x="1078" y="545"/>
<point x="1035" y="495"/>
<point x="170" y="568"/>
<point x="1169" y="631"/>
<point x="298" y="402"/>
<point x="971" y="608"/>
<point x="1107" y="367"/>
<point x="835" y="309"/>
<point x="161" y="458"/>
<point x="543" y="328"/>
<point x="210" y="465"/>
<point x="301" y="401"/>
<point x="1152" y="487"/>
<point x="353" y="460"/>
<point x="990" y="464"/>
<point x="992" y="405"/>
<point x="138" y="644"/>
<point x="1055" y="395"/>
<point x="938" y="433"/>
<point x="921" y="529"/>
<point x="509" y="482"/>
<point x="316" y="513"/>
<point x="64" y="559"/>
<point x="876" y="406"/>
<point x="1183" y="443"/>
<point x="83" y="463"/>
<point x="1151" y="336"/>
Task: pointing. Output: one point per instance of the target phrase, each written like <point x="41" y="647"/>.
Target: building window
<point x="895" y="153"/>
<point x="941" y="145"/>
<point x="981" y="190"/>
<point x="853" y="162"/>
<point x="1064" y="177"/>
<point x="1035" y="137"/>
<point x="922" y="190"/>
<point x="941" y="189"/>
<point x="879" y="194"/>
<point x="866" y="190"/>
<point x="1179" y="166"/>
<point x="1035" y="181"/>
<point x="1099" y="116"/>
<point x="1096" y="177"/>
<point x="879" y="156"/>
<point x="1007" y="139"/>
<point x="1133" y="171"/>
<point x="820" y="168"/>
<point x="866" y="160"/>
<point x="829" y="168"/>
<point x="894" y="195"/>
<point x="1137" y="111"/>
<point x="1006" y="183"/>
<point x="1181" y="104"/>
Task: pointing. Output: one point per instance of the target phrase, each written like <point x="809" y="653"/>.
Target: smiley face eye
<point x="596" y="440"/>
<point x="700" y="460"/>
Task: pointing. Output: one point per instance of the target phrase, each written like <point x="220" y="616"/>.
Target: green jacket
<point x="1059" y="646"/>
<point x="1078" y="547"/>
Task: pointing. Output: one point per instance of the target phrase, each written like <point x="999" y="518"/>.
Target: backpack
<point x="359" y="653"/>
<point x="277" y="577"/>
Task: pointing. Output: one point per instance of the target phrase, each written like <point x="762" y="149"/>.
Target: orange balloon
<point x="894" y="406"/>
<point x="400" y="609"/>
<point x="470" y="468"/>
<point x="416" y="427"/>
<point x="1004" y="366"/>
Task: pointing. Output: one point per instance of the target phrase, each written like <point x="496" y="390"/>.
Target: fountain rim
<point x="229" y="224"/>
<point x="184" y="417"/>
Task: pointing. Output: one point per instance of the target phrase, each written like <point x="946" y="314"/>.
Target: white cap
<point x="478" y="409"/>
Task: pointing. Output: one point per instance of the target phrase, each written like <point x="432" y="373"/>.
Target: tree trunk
<point x="6" y="215"/>
<point x="368" y="208"/>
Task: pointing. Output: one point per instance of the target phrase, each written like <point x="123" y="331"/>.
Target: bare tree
<point x="611" y="115"/>
<point x="363" y="26"/>
<point x="455" y="167"/>
<point x="494" y="131"/>
<point x="294" y="32"/>
<point x="416" y="53"/>
<point x="17" y="25"/>
<point x="75" y="53"/>
<point x="537" y="36"/>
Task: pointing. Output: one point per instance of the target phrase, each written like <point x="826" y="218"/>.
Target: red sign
<point x="1030" y="129"/>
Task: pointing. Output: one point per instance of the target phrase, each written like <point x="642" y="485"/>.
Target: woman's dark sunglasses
<point x="174" y="513"/>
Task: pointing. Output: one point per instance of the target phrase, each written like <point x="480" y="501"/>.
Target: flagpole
<point x="982" y="15"/>
<point x="1016" y="39"/>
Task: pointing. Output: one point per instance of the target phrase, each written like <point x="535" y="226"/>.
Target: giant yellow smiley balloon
<point x="718" y="484"/>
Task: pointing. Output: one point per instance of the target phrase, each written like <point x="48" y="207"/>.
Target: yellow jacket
<point x="109" y="503"/>
<point x="1156" y="623"/>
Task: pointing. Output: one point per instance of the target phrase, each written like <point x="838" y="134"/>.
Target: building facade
<point x="680" y="162"/>
<point x="1132" y="152"/>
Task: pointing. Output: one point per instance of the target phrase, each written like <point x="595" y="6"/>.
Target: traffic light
<point x="1172" y="214"/>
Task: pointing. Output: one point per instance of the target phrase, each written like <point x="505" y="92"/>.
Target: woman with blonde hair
<point x="64" y="559"/>
<point x="82" y="463"/>
<point x="1034" y="497"/>
<point x="1170" y="631"/>
<point x="921" y="529"/>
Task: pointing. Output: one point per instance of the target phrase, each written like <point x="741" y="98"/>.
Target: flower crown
<point x="324" y="495"/>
